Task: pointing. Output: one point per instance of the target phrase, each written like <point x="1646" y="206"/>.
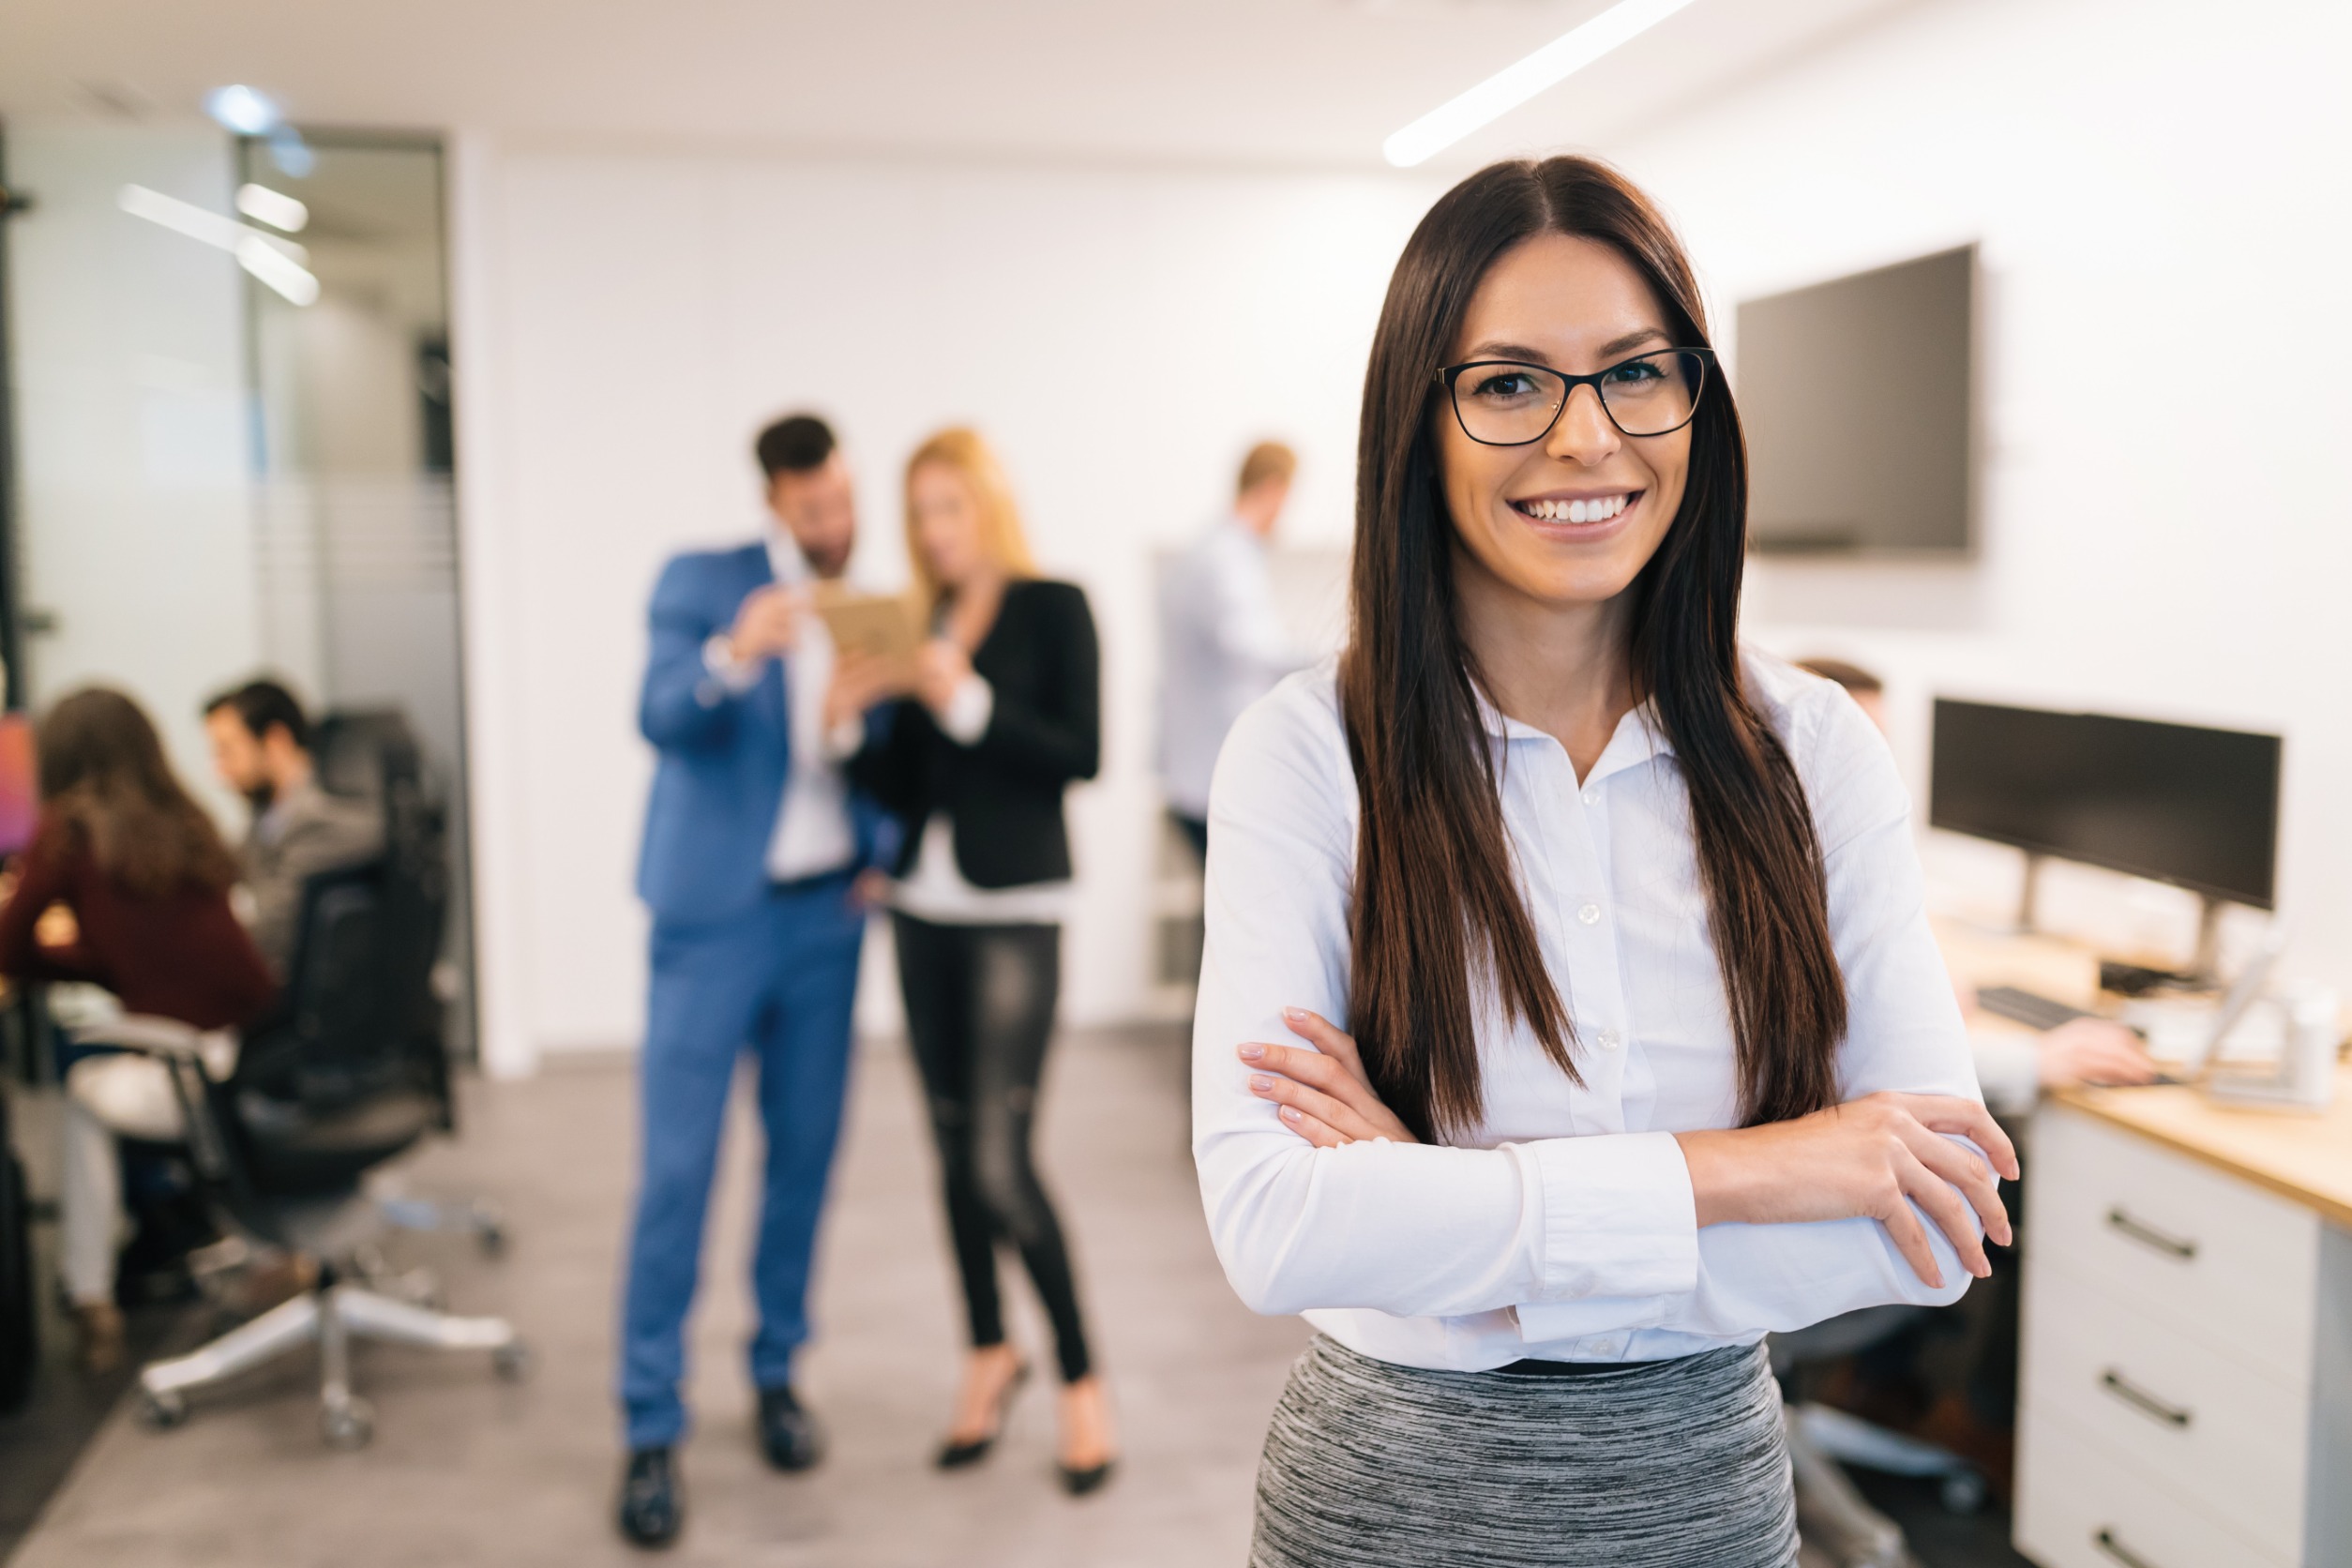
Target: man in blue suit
<point x="754" y="847"/>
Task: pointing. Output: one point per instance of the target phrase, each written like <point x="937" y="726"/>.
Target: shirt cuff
<point x="1618" y="1217"/>
<point x="965" y="718"/>
<point x="845" y="739"/>
<point x="735" y="676"/>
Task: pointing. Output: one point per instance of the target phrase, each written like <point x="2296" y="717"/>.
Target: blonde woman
<point x="1003" y="716"/>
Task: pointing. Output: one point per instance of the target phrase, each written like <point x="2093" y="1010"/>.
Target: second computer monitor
<point x="2177" y="803"/>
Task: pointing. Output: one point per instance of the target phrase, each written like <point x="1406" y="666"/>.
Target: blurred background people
<point x="2013" y="1067"/>
<point x="124" y="886"/>
<point x="1222" y="641"/>
<point x="261" y="747"/>
<point x="1004" y="715"/>
<point x="753" y="842"/>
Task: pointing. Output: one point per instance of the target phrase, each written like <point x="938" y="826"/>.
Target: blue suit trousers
<point x="778" y="982"/>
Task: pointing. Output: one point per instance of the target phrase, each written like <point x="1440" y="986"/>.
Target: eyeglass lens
<point x="1510" y="405"/>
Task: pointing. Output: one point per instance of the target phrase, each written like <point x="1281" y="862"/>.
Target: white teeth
<point x="1599" y="509"/>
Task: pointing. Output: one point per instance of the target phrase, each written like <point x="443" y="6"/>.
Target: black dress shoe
<point x="653" y="1506"/>
<point x="788" y="1434"/>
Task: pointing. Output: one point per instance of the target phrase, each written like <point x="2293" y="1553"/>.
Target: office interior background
<point x="569" y="259"/>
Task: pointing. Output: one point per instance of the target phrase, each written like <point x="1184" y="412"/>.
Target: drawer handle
<point x="2140" y="1399"/>
<point x="2148" y="1235"/>
<point x="2104" y="1539"/>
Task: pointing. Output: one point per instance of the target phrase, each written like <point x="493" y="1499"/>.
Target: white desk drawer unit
<point x="2088" y="1510"/>
<point x="2182" y="1389"/>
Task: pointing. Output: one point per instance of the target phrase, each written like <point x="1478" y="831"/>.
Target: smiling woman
<point x="1626" y="1040"/>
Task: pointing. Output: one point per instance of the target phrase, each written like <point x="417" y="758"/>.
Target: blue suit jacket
<point x="724" y="755"/>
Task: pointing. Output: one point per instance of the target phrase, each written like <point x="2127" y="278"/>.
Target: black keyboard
<point x="2024" y="1007"/>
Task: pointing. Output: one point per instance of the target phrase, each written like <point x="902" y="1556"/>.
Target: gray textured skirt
<point x="1668" y="1463"/>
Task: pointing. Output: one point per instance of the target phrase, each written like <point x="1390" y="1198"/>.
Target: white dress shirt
<point x="1222" y="647"/>
<point x="1564" y="1227"/>
<point x="813" y="833"/>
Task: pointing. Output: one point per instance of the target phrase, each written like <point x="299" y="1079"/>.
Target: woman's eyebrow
<point x="1524" y="354"/>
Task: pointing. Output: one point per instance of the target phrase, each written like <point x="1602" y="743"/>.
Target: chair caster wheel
<point x="511" y="1361"/>
<point x="1963" y="1492"/>
<point x="347" y="1425"/>
<point x="160" y="1412"/>
<point x="490" y="1234"/>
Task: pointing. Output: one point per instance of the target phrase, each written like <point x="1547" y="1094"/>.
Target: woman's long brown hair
<point x="1438" y="923"/>
<point x="103" y="774"/>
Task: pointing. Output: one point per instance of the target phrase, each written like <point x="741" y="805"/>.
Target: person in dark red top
<point x="124" y="885"/>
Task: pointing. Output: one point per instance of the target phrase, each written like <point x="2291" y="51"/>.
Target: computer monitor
<point x="2195" y="808"/>
<point x="20" y="794"/>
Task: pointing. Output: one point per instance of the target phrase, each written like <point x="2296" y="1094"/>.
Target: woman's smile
<point x="1579" y="516"/>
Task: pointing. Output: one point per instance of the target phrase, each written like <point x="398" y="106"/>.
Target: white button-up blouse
<point x="1565" y="1229"/>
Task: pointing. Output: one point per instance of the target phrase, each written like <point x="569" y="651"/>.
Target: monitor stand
<point x="2205" y="967"/>
<point x="2027" y="892"/>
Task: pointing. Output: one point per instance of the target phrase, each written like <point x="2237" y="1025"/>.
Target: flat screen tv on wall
<point x="1859" y="397"/>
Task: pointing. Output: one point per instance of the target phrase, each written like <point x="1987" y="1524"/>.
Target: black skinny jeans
<point x="980" y="1003"/>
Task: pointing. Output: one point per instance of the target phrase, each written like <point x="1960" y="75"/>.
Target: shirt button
<point x="1589" y="914"/>
<point x="1593" y="797"/>
<point x="1607" y="1039"/>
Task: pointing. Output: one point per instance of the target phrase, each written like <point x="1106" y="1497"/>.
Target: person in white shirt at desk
<point x="1222" y="641"/>
<point x="1626" y="1041"/>
<point x="2015" y="1067"/>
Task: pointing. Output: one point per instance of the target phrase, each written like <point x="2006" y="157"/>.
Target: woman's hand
<point x="860" y="680"/>
<point x="941" y="666"/>
<point x="2092" y="1050"/>
<point x="1862" y="1160"/>
<point x="1325" y="1095"/>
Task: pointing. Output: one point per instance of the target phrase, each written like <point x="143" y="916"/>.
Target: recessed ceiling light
<point x="1514" y="84"/>
<point x="273" y="208"/>
<point x="243" y="109"/>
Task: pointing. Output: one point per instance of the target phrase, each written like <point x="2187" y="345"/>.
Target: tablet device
<point x="882" y="625"/>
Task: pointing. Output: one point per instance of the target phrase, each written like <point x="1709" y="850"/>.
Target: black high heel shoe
<point x="1078" y="1483"/>
<point x="955" y="1456"/>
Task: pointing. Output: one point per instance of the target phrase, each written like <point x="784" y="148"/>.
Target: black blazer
<point x="1002" y="794"/>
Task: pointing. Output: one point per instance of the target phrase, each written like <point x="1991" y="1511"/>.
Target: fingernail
<point x="1290" y="1113"/>
<point x="1296" y="1015"/>
<point x="1252" y="1053"/>
<point x="1260" y="1082"/>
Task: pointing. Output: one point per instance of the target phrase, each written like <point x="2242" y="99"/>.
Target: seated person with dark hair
<point x="261" y="746"/>
<point x="124" y="886"/>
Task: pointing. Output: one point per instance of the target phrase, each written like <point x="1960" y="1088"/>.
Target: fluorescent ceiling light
<point x="273" y="208"/>
<point x="277" y="262"/>
<point x="1514" y="84"/>
<point x="243" y="109"/>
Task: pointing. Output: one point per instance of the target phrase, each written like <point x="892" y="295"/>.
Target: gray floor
<point x="467" y="1470"/>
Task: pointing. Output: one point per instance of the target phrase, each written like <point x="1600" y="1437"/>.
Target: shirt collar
<point x="786" y="562"/>
<point x="1639" y="737"/>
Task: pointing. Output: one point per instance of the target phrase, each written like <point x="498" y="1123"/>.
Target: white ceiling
<point x="1271" y="82"/>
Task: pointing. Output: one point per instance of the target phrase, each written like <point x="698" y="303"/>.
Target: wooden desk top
<point x="2300" y="1155"/>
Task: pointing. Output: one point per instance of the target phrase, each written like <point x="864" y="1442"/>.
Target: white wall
<point x="625" y="324"/>
<point x="2160" y="192"/>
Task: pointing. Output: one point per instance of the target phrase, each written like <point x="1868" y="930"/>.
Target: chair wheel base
<point x="347" y="1425"/>
<point x="161" y="1412"/>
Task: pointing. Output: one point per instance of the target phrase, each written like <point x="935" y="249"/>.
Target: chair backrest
<point x="373" y="754"/>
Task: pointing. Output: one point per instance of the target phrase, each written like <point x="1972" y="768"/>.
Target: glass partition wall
<point x="355" y="539"/>
<point x="232" y="401"/>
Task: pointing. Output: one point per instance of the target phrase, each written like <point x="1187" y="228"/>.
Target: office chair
<point x="1838" y="1525"/>
<point x="338" y="1079"/>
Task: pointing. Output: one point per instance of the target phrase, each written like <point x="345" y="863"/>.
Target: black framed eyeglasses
<point x="1505" y="402"/>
